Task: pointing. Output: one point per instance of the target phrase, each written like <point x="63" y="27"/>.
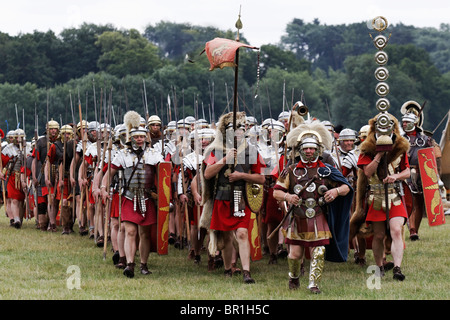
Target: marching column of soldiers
<point x="316" y="189"/>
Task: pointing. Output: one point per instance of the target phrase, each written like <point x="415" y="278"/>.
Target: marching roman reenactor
<point x="381" y="173"/>
<point x="78" y="173"/>
<point x="154" y="128"/>
<point x="56" y="157"/>
<point x="95" y="154"/>
<point x="138" y="211"/>
<point x="118" y="136"/>
<point x="169" y="152"/>
<point x="346" y="143"/>
<point x="190" y="195"/>
<point x="44" y="181"/>
<point x="117" y="228"/>
<point x="350" y="171"/>
<point x="64" y="193"/>
<point x="412" y="121"/>
<point x="32" y="208"/>
<point x="13" y="157"/>
<point x="75" y="153"/>
<point x="271" y="149"/>
<point x="320" y="199"/>
<point x="224" y="191"/>
<point x="86" y="174"/>
<point x="182" y="148"/>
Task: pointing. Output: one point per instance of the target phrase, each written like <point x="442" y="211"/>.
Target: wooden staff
<point x="108" y="202"/>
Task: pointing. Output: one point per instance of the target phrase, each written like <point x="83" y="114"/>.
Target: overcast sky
<point x="264" y="21"/>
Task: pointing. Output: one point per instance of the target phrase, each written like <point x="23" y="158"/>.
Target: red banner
<point x="221" y="52"/>
<point x="164" y="175"/>
<point x="431" y="194"/>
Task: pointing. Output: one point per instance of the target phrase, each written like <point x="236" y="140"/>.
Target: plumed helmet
<point x="309" y="134"/>
<point x="2" y="134"/>
<point x="132" y="121"/>
<point x="411" y="111"/>
<point x="52" y="124"/>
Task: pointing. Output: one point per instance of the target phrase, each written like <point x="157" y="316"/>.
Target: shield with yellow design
<point x="254" y="238"/>
<point x="255" y="196"/>
<point x="164" y="176"/>
<point x="431" y="194"/>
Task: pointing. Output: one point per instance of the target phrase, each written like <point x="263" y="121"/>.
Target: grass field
<point x="40" y="265"/>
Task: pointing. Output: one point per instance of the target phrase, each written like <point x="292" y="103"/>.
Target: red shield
<point x="164" y="175"/>
<point x="254" y="238"/>
<point x="431" y="194"/>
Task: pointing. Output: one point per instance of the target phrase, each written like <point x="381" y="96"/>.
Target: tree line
<point x="328" y="67"/>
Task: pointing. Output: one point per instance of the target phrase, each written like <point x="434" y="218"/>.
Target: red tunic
<point x="222" y="218"/>
<point x="394" y="211"/>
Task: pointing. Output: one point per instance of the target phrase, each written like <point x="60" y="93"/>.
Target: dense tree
<point x="127" y="53"/>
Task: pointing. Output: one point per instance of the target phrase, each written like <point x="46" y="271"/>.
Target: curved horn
<point x="300" y="108"/>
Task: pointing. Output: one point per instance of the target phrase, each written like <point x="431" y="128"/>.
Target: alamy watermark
<point x="374" y="280"/>
<point x="74" y="280"/>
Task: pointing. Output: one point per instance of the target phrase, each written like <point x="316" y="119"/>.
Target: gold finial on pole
<point x="238" y="23"/>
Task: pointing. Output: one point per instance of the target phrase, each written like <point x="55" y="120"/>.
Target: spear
<point x="17" y="116"/>
<point x="235" y="102"/>
<point x="108" y="202"/>
<point x="25" y="165"/>
<point x="146" y="105"/>
<point x="74" y="146"/>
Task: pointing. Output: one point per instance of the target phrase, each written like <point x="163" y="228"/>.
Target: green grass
<point x="34" y="266"/>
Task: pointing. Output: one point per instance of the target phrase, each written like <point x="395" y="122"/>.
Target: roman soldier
<point x="13" y="159"/>
<point x="271" y="148"/>
<point x="154" y="127"/>
<point x="382" y="171"/>
<point x="346" y="140"/>
<point x="44" y="177"/>
<point x="86" y="174"/>
<point x="94" y="157"/>
<point x="75" y="153"/>
<point x="225" y="212"/>
<point x="138" y="211"/>
<point x="58" y="156"/>
<point x="412" y="121"/>
<point x="320" y="200"/>
<point x="191" y="196"/>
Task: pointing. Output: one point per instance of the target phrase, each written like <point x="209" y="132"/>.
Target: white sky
<point x="264" y="21"/>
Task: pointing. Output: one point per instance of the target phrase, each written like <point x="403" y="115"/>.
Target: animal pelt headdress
<point x="368" y="147"/>
<point x="208" y="186"/>
<point x="316" y="126"/>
